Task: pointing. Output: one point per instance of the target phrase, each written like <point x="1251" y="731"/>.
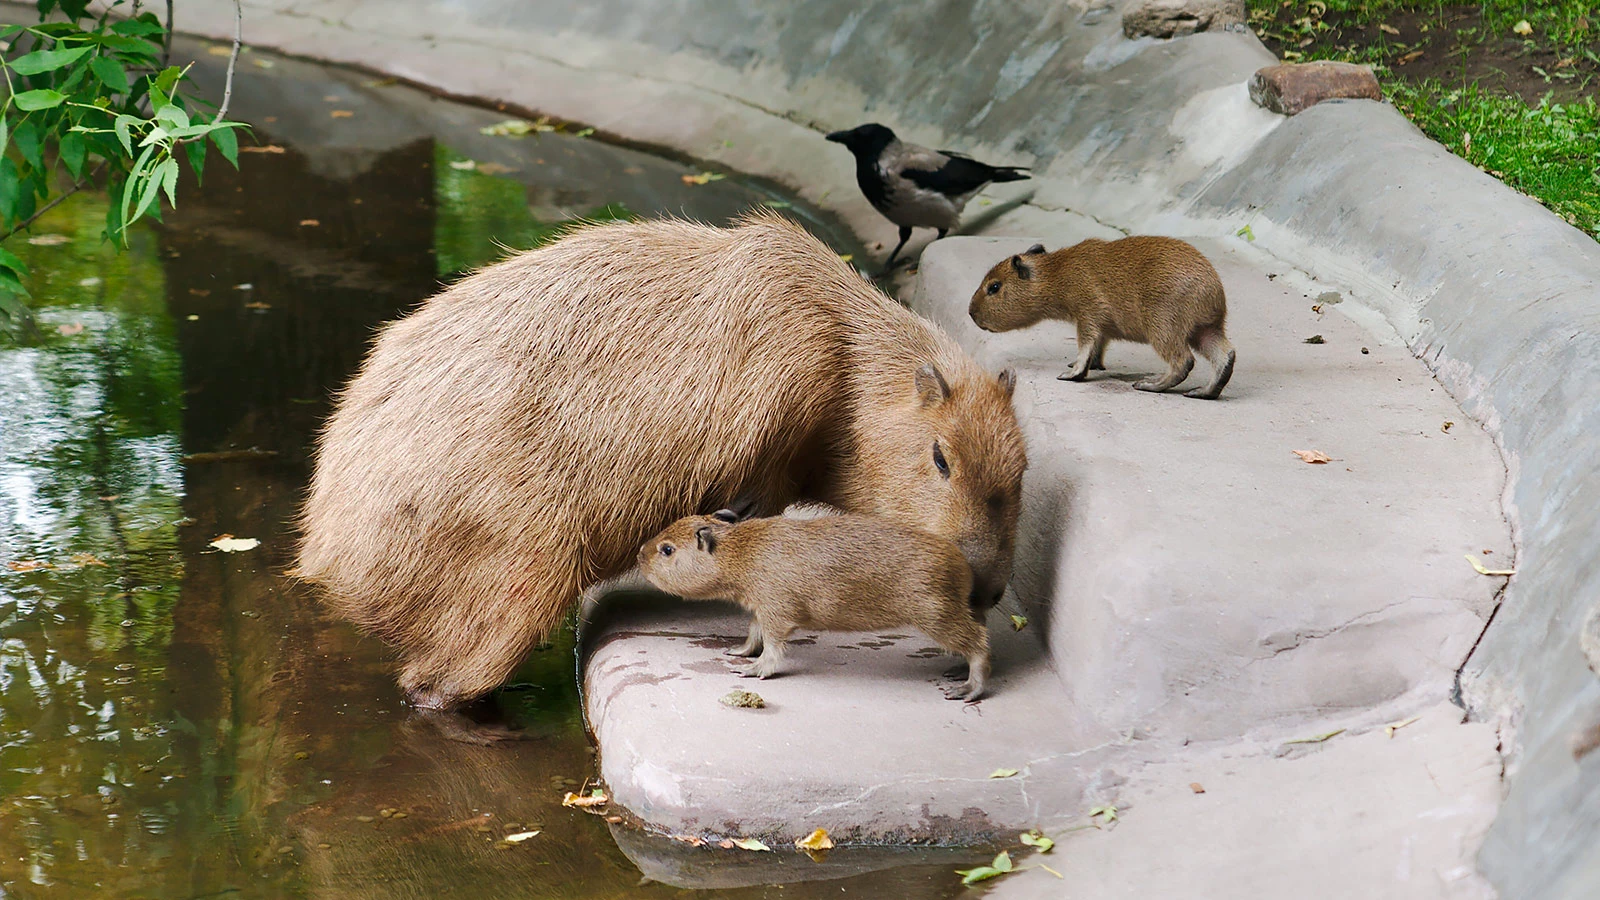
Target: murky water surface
<point x="181" y="722"/>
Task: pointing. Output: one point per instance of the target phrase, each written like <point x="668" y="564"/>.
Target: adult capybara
<point x="517" y="437"/>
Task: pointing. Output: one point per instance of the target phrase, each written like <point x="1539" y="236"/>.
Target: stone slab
<point x="1293" y="88"/>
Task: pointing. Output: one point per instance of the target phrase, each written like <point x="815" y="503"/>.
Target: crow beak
<point x="840" y="137"/>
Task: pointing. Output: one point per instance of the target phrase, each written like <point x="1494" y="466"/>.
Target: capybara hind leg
<point x="1180" y="362"/>
<point x="457" y="725"/>
<point x="1218" y="351"/>
<point x="1097" y="362"/>
<point x="752" y="644"/>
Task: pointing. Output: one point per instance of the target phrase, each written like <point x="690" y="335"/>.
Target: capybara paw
<point x="1073" y="376"/>
<point x="966" y="690"/>
<point x="762" y="670"/>
<point x="1148" y="386"/>
<point x="1200" y="393"/>
<point x="744" y="652"/>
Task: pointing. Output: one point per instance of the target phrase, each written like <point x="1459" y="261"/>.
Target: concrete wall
<point x="1495" y="294"/>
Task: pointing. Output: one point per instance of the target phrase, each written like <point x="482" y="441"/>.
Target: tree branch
<point x="233" y="58"/>
<point x="166" y="39"/>
<point x="78" y="186"/>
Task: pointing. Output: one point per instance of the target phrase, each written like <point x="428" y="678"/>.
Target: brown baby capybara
<point x="515" y="439"/>
<point x="832" y="573"/>
<point x="1154" y="290"/>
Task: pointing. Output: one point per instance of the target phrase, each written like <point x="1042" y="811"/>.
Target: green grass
<point x="1550" y="151"/>
<point x="1546" y="148"/>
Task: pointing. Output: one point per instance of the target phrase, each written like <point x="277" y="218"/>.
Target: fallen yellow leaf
<point x="1483" y="571"/>
<point x="816" y="840"/>
<point x="220" y="50"/>
<point x="1314" y="457"/>
<point x="28" y="565"/>
<point x="702" y="178"/>
<point x="229" y="544"/>
<point x="1019" y="622"/>
<point x="1392" y="727"/>
<point x="751" y="844"/>
<point x="1316" y="738"/>
<point x="1386" y="28"/>
<point x="1002" y="773"/>
<point x="310" y="223"/>
<point x="520" y="836"/>
<point x="340" y="114"/>
<point x="86" y="559"/>
<point x="576" y="801"/>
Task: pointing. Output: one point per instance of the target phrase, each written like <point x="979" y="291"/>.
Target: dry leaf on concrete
<point x="1314" y="457"/>
<point x="1486" y="571"/>
<point x="816" y="840"/>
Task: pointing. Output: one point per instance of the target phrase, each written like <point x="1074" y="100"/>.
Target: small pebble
<point x="365" y="819"/>
<point x="324" y="846"/>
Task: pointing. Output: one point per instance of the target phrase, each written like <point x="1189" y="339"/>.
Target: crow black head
<point x="865" y="141"/>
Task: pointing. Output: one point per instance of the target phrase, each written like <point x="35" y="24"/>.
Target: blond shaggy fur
<point x="833" y="573"/>
<point x="516" y="438"/>
<point x="1154" y="290"/>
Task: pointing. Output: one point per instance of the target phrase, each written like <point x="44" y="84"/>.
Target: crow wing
<point x="949" y="173"/>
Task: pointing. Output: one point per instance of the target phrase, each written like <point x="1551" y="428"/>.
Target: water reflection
<point x="180" y="722"/>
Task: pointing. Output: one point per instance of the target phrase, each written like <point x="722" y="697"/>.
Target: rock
<point x="1295" y="87"/>
<point x="1180" y="18"/>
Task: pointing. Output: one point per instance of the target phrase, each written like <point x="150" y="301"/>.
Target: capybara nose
<point x="985" y="595"/>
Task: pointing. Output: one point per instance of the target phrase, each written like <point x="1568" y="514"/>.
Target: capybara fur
<point x="832" y="573"/>
<point x="1154" y="290"/>
<point x="515" y="439"/>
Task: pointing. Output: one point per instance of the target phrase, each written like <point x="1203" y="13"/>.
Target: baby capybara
<point x="1154" y="290"/>
<point x="832" y="573"/>
<point x="515" y="439"/>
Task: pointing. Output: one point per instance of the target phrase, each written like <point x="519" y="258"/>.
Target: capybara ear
<point x="931" y="386"/>
<point x="1023" y="270"/>
<point x="1008" y="380"/>
<point x="1035" y="250"/>
<point x="725" y="515"/>
<point x="705" y="539"/>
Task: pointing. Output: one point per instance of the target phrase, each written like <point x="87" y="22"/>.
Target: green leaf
<point x="121" y="127"/>
<point x="40" y="61"/>
<point x="10" y="263"/>
<point x="165" y="82"/>
<point x="149" y="192"/>
<point x="228" y="144"/>
<point x="1107" y="813"/>
<point x="1001" y="866"/>
<point x="129" y="187"/>
<point x="174" y="115"/>
<point x="110" y="74"/>
<point x="145" y="24"/>
<point x="10" y="189"/>
<point x="44" y="98"/>
<point x="29" y="143"/>
<point x="73" y="150"/>
<point x="169" y="180"/>
<point x="156" y="136"/>
<point x="1036" y="839"/>
<point x="196" y="152"/>
<point x="751" y="844"/>
<point x="5" y="136"/>
<point x="1002" y="773"/>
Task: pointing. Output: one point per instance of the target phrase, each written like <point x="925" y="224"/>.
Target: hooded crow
<point x="915" y="187"/>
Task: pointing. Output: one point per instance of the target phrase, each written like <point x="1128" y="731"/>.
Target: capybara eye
<point x="666" y="549"/>
<point x="994" y="288"/>
<point x="939" y="462"/>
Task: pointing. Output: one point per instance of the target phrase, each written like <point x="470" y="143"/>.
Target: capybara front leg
<point x="1088" y="340"/>
<point x="752" y="644"/>
<point x="767" y="664"/>
<point x="971" y="640"/>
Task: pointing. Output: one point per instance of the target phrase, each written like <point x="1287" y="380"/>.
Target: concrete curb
<point x="1491" y="291"/>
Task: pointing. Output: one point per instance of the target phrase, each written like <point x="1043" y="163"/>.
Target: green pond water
<point x="180" y="722"/>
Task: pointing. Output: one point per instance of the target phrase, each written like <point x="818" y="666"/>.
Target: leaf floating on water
<point x="816" y="840"/>
<point x="777" y="204"/>
<point x="583" y="132"/>
<point x="264" y="63"/>
<point x="48" y="240"/>
<point x="520" y="836"/>
<point x="751" y="844"/>
<point x="70" y="330"/>
<point x="86" y="559"/>
<point x="1392" y="727"/>
<point x="1036" y="839"/>
<point x="1316" y="738"/>
<point x="310" y="223"/>
<point x="1002" y="773"/>
<point x="1314" y="457"/>
<point x="464" y="165"/>
<point x="1486" y="571"/>
<point x="743" y="700"/>
<point x="340" y="114"/>
<point x="28" y="565"/>
<point x="1019" y="622"/>
<point x="494" y="168"/>
<point x="1002" y="864"/>
<point x="702" y="178"/>
<point x="257" y="304"/>
<point x="380" y="82"/>
<point x="579" y="801"/>
<point x="229" y="544"/>
<point x="220" y="50"/>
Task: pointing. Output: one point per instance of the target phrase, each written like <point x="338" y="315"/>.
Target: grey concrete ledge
<point x="1493" y="293"/>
